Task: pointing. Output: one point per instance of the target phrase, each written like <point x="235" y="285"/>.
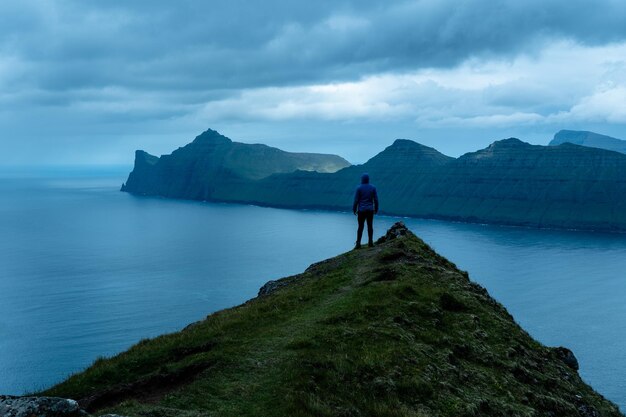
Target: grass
<point x="393" y="331"/>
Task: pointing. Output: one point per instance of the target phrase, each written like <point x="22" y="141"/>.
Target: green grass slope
<point x="395" y="330"/>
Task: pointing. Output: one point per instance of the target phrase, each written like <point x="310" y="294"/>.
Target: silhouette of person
<point x="365" y="205"/>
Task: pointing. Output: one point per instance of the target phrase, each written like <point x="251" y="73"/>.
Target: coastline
<point x="448" y="219"/>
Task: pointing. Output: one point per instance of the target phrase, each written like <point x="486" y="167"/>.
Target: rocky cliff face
<point x="395" y="330"/>
<point x="211" y="160"/>
<point x="591" y="139"/>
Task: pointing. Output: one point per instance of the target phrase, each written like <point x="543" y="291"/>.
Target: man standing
<point x="365" y="206"/>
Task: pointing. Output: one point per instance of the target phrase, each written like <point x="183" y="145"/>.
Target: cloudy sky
<point x="88" y="82"/>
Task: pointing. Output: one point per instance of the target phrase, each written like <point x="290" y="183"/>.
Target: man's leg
<point x="359" y="232"/>
<point x="370" y="228"/>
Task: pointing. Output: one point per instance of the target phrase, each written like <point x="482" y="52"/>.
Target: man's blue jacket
<point x="365" y="197"/>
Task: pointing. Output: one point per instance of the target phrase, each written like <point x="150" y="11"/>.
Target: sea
<point x="86" y="271"/>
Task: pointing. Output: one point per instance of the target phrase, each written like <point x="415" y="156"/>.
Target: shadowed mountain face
<point x="591" y="139"/>
<point x="192" y="171"/>
<point x="392" y="331"/>
<point x="510" y="182"/>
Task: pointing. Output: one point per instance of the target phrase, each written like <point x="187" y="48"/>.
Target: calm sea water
<point x="87" y="271"/>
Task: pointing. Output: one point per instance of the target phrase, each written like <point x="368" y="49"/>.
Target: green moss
<point x="391" y="331"/>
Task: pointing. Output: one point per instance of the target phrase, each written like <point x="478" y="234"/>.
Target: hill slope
<point x="591" y="139"/>
<point x="391" y="331"/>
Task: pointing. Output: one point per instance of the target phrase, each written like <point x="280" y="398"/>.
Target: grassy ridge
<point x="391" y="331"/>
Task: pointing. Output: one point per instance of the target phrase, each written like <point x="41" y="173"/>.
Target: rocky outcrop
<point x="270" y="286"/>
<point x="567" y="356"/>
<point x="13" y="406"/>
<point x="396" y="231"/>
<point x="39" y="406"/>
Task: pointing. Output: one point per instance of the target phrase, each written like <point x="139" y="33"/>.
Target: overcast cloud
<point x="90" y="81"/>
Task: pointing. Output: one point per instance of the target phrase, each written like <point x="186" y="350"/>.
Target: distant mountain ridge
<point x="591" y="139"/>
<point x="510" y="182"/>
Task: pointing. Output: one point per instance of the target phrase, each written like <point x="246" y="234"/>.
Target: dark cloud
<point x="231" y="44"/>
<point x="79" y="68"/>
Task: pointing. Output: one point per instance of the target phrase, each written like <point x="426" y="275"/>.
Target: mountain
<point x="401" y="170"/>
<point x="395" y="330"/>
<point x="591" y="139"/>
<point x="191" y="171"/>
<point x="510" y="182"/>
<point x="513" y="182"/>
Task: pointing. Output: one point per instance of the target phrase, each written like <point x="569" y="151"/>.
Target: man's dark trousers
<point x="367" y="215"/>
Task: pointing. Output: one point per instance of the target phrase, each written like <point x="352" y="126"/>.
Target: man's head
<point x="365" y="179"/>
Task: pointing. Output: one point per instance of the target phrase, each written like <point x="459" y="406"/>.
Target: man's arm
<point x="355" y="204"/>
<point x="375" y="201"/>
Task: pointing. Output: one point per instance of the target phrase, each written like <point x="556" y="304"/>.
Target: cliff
<point x="591" y="139"/>
<point x="395" y="330"/>
<point x="211" y="160"/>
<point x="512" y="182"/>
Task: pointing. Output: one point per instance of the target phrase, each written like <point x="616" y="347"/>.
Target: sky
<point x="85" y="82"/>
